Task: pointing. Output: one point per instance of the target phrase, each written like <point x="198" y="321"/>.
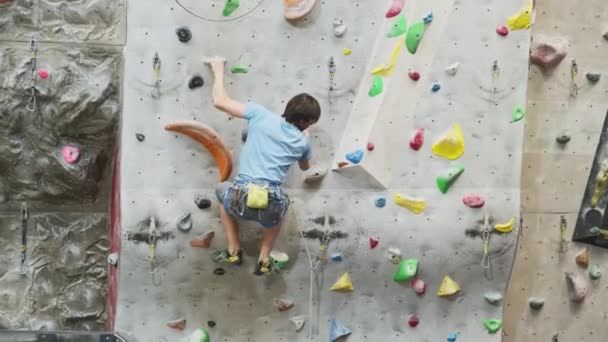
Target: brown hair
<point x="302" y="108"/>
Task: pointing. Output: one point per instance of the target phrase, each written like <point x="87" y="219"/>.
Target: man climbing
<point x="273" y="144"/>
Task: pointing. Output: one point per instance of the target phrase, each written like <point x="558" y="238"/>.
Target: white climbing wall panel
<point x="161" y="175"/>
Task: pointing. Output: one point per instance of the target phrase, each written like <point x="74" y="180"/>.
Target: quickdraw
<point x="24" y="218"/>
<point x="152" y="242"/>
<point x="573" y="73"/>
<point x="332" y="75"/>
<point x="485" y="236"/>
<point x="495" y="75"/>
<point x="31" y="91"/>
<point x="563" y="224"/>
<point x="156" y="65"/>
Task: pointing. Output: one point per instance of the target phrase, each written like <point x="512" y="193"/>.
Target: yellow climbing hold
<point x="451" y="144"/>
<point x="346" y="51"/>
<point x="344" y="284"/>
<point x="387" y="69"/>
<point x="505" y="227"/>
<point x="522" y="19"/>
<point x="414" y="205"/>
<point x="448" y="287"/>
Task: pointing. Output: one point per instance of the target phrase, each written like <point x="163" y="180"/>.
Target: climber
<point x="273" y="144"/>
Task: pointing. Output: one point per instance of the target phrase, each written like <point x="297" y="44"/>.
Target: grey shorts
<point x="235" y="202"/>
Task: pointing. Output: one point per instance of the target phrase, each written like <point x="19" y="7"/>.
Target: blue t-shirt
<point x="272" y="146"/>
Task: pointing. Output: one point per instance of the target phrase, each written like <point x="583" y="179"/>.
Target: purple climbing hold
<point x="355" y="156"/>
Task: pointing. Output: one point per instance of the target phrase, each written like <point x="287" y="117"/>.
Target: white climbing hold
<point x="394" y="255"/>
<point x="315" y="174"/>
<point x="339" y="27"/>
<point x="452" y="69"/>
<point x="493" y="297"/>
<point x="577" y="287"/>
<point x="298" y="322"/>
<point x="184" y="222"/>
<point x="113" y="259"/>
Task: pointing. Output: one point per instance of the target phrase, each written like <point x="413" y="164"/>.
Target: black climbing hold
<point x="184" y="34"/>
<point x="140" y="136"/>
<point x="244" y="134"/>
<point x="202" y="202"/>
<point x="211" y="324"/>
<point x="196" y="82"/>
<point x="219" y="271"/>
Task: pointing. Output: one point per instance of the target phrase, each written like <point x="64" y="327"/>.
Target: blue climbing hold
<point x="436" y="86"/>
<point x="337" y="257"/>
<point x="355" y="156"/>
<point x="337" y="330"/>
<point x="380" y="202"/>
<point x="428" y="18"/>
<point x="452" y="337"/>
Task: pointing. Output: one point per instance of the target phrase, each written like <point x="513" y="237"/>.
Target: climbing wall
<point x="162" y="172"/>
<point x="554" y="179"/>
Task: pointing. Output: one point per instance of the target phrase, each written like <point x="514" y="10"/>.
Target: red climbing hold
<point x="395" y="9"/>
<point x="370" y="146"/>
<point x="373" y="243"/>
<point x="502" y="30"/>
<point x="43" y="73"/>
<point x="473" y="201"/>
<point x="417" y="140"/>
<point x="419" y="286"/>
<point x="70" y="153"/>
<point x="414" y="75"/>
<point x="413" y="320"/>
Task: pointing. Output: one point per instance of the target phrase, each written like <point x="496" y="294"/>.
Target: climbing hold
<point x="199" y="335"/>
<point x="196" y="82"/>
<point x="502" y="30"/>
<point x="452" y="337"/>
<point x="593" y="77"/>
<point x="231" y="6"/>
<point x="179" y="324"/>
<point x="563" y="138"/>
<point x="505" y="227"/>
<point x="346" y="51"/>
<point x="184" y="222"/>
<point x="343" y="284"/>
<point x="435" y="87"/>
<point x="337" y="257"/>
<point x="577" y="287"/>
<point x="284" y="304"/>
<point x="370" y="146"/>
<point x="522" y="19"/>
<point x="452" y="69"/>
<point x="518" y="113"/>
<point x="545" y="55"/>
<point x="387" y="69"/>
<point x="380" y="202"/>
<point x="183" y="34"/>
<point x="44" y="74"/>
<point x="337" y="330"/>
<point x="413" y="320"/>
<point x="473" y="201"/>
<point x="395" y="9"/>
<point x="219" y="271"/>
<point x="377" y="86"/>
<point x="406" y="270"/>
<point x="355" y="156"/>
<point x="203" y="240"/>
<point x="71" y="154"/>
<point x="417" y="139"/>
<point x="399" y="27"/>
<point x="279" y="259"/>
<point x="419" y="286"/>
<point x="582" y="258"/>
<point x="394" y="255"/>
<point x="298" y="322"/>
<point x="211" y="324"/>
<point x="594" y="272"/>
<point x="202" y="202"/>
<point x="413" y="37"/>
<point x="448" y="287"/>
<point x="339" y="27"/>
<point x="414" y="205"/>
<point x="451" y="144"/>
<point x="113" y="259"/>
<point x="342" y="164"/>
<point x="140" y="137"/>
<point x="244" y="134"/>
<point x="448" y="177"/>
<point x="536" y="303"/>
<point x="315" y="174"/>
<point x="373" y="243"/>
<point x="492" y="325"/>
<point x="414" y="75"/>
<point x="239" y="69"/>
<point x="297" y="9"/>
<point x="428" y="18"/>
<point x="493" y="297"/>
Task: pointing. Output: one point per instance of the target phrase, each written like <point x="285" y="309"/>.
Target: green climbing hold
<point x="279" y="259"/>
<point x="492" y="325"/>
<point x="406" y="270"/>
<point x="413" y="37"/>
<point x="445" y="180"/>
<point x="239" y="69"/>
<point x="199" y="335"/>
<point x="377" y="86"/>
<point x="518" y="113"/>
<point x="231" y="6"/>
<point x="398" y="28"/>
<point x="594" y="272"/>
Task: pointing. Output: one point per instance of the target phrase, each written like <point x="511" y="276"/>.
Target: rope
<point x="485" y="236"/>
<point x="219" y="20"/>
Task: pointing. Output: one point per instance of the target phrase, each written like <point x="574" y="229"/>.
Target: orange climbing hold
<point x="297" y="9"/>
<point x="203" y="241"/>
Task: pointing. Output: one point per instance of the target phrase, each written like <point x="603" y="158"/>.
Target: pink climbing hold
<point x="43" y="73"/>
<point x="70" y="153"/>
<point x="417" y="140"/>
<point x="502" y="30"/>
<point x="413" y="320"/>
<point x="419" y="286"/>
<point x="414" y="75"/>
<point x="373" y="243"/>
<point x="370" y="146"/>
<point x="395" y="9"/>
<point x="473" y="201"/>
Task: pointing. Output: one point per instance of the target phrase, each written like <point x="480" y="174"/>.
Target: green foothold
<point x="594" y="272"/>
<point x="239" y="69"/>
<point x="398" y="28"/>
<point x="199" y="335"/>
<point x="413" y="37"/>
<point x="445" y="180"/>
<point x="279" y="259"/>
<point x="406" y="270"/>
<point x="518" y="113"/>
<point x="231" y="6"/>
<point x="492" y="325"/>
<point x="377" y="86"/>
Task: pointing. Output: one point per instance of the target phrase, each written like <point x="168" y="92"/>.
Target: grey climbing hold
<point x="113" y="259"/>
<point x="184" y="222"/>
<point x="244" y="134"/>
<point x="452" y="69"/>
<point x="195" y="82"/>
<point x="202" y="202"/>
<point x="493" y="297"/>
<point x="140" y="137"/>
<point x="536" y="303"/>
<point x="211" y="324"/>
<point x="594" y="272"/>
<point x="183" y="34"/>
<point x="298" y="322"/>
<point x="394" y="255"/>
<point x="593" y="77"/>
<point x="339" y="27"/>
<point x="563" y="138"/>
<point x="219" y="271"/>
<point x="315" y="175"/>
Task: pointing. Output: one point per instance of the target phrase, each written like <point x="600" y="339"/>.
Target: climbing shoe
<point x="224" y="256"/>
<point x="264" y="268"/>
